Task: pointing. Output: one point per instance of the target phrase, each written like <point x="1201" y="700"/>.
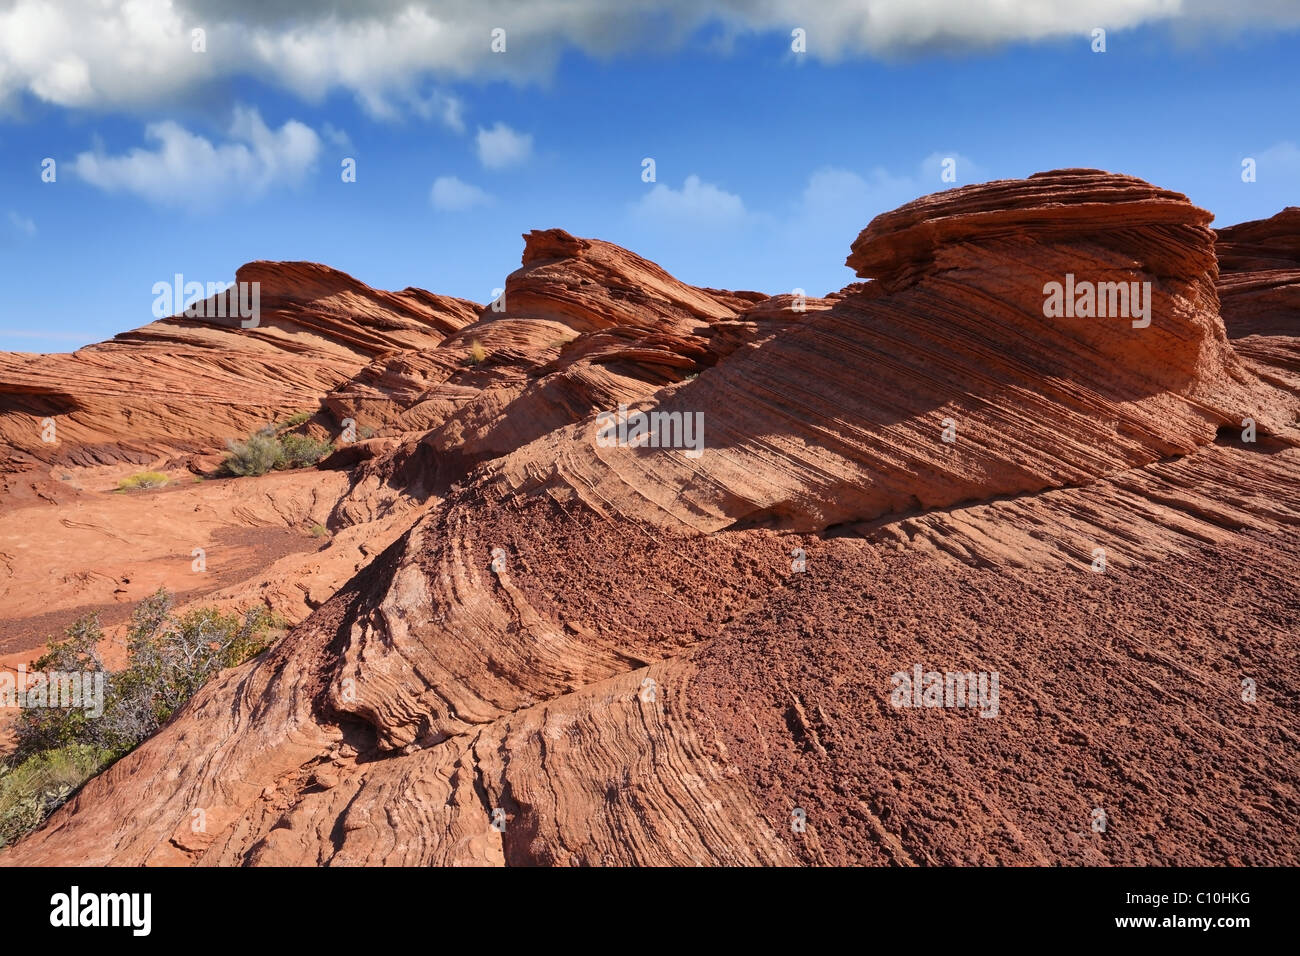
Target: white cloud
<point x="834" y="195"/>
<point x="1280" y="158"/>
<point x="501" y="146"/>
<point x="22" y="224"/>
<point x="81" y="338"/>
<point x="836" y="204"/>
<point x="964" y="169"/>
<point x="186" y="169"/>
<point x="452" y="195"/>
<point x="697" y="203"/>
<point x="335" y="136"/>
<point x="832" y="189"/>
<point x="102" y="54"/>
<point x="442" y="106"/>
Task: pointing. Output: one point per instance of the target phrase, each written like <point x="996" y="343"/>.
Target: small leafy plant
<point x="142" y="481"/>
<point x="268" y="448"/>
<point x="169" y="658"/>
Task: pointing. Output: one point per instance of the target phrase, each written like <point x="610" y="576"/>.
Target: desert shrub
<point x="477" y="353"/>
<point x="319" y="531"/>
<point x="293" y="421"/>
<point x="169" y="657"/>
<point x="266" y="449"/>
<point x="256" y="455"/>
<point x="142" y="481"/>
<point x="50" y="728"/>
<point x="32" y="789"/>
<point x="299" y="451"/>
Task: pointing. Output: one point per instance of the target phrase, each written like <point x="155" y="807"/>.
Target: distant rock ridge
<point x="187" y="384"/>
<point x="1259" y="293"/>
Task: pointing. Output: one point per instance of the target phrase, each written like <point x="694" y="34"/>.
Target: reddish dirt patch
<point x="244" y="550"/>
<point x="1120" y="692"/>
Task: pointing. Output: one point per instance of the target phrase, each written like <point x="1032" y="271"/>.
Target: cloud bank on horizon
<point x="133" y="54"/>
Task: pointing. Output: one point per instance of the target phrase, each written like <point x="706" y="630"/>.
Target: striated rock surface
<point x="185" y="385"/>
<point x="583" y="326"/>
<point x="1259" y="293"/>
<point x="590" y="654"/>
<point x="842" y="416"/>
<point x="568" y="290"/>
<point x="167" y="397"/>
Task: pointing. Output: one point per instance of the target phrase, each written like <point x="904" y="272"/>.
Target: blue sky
<point x="768" y="163"/>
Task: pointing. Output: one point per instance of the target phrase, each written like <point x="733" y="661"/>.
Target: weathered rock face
<point x="842" y="417"/>
<point x="1259" y="293"/>
<point x="567" y="290"/>
<point x="634" y="654"/>
<point x="583" y="326"/>
<point x="167" y="396"/>
<point x="184" y="385"/>
<point x="1262" y="245"/>
<point x="587" y="284"/>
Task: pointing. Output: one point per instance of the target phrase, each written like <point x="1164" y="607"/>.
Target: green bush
<point x="143" y="481"/>
<point x="48" y="728"/>
<point x="266" y="449"/>
<point x="293" y="421"/>
<point x="169" y="657"/>
<point x="256" y="455"/>
<point x="34" y="788"/>
<point x="299" y="451"/>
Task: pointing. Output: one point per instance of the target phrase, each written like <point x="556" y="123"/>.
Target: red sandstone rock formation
<point x="167" y="396"/>
<point x="185" y="385"/>
<point x="583" y="326"/>
<point x="1259" y="293"/>
<point x="649" y="675"/>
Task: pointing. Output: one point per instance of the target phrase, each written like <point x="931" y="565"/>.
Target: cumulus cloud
<point x="185" y="169"/>
<point x="440" y="105"/>
<point x="696" y="203"/>
<point x="335" y="136"/>
<point x="1282" y="158"/>
<point x="834" y="195"/>
<point x="451" y="194"/>
<point x="103" y="54"/>
<point x="501" y="146"/>
<point x="21" y="224"/>
<point x="46" y="335"/>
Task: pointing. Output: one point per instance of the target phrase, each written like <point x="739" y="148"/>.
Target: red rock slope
<point x="583" y="326"/>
